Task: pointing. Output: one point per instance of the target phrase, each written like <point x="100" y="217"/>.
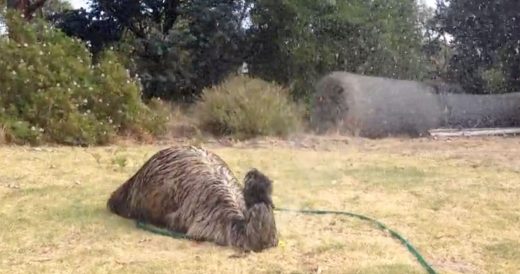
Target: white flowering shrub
<point x="51" y="92"/>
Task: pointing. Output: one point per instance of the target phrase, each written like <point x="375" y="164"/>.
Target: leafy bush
<point x="246" y="107"/>
<point x="20" y="132"/>
<point x="52" y="92"/>
<point x="494" y="80"/>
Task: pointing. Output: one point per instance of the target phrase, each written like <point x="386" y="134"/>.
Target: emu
<point x="190" y="190"/>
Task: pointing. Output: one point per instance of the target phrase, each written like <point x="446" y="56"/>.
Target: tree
<point x="178" y="47"/>
<point x="396" y="26"/>
<point x="52" y="7"/>
<point x="295" y="42"/>
<point x="486" y="35"/>
<point x="26" y="7"/>
<point x="98" y="33"/>
<point x="30" y="9"/>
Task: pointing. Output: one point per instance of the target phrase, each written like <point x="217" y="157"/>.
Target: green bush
<point x="246" y="107"/>
<point x="51" y="91"/>
<point x="494" y="80"/>
<point x="20" y="130"/>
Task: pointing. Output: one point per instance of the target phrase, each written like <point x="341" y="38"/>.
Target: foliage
<point x="178" y="47"/>
<point x="27" y="8"/>
<point x="486" y="35"/>
<point x="98" y="33"/>
<point x="295" y="42"/>
<point x="52" y="92"/>
<point x="52" y="7"/>
<point x="246" y="107"/>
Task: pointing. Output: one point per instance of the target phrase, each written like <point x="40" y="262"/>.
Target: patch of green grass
<point x="120" y="161"/>
<point x="330" y="246"/>
<point x="36" y="191"/>
<point x="438" y="203"/>
<point x="387" y="269"/>
<point x="505" y="250"/>
<point x="390" y="176"/>
<point x="77" y="213"/>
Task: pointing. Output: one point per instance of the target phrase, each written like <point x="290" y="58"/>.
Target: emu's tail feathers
<point x="118" y="203"/>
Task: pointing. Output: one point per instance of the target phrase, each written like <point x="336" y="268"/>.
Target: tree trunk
<point x="26" y="7"/>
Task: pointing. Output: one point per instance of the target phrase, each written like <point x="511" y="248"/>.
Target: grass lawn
<point x="458" y="202"/>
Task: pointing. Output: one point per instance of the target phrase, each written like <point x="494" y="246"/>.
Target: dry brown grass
<point x="457" y="202"/>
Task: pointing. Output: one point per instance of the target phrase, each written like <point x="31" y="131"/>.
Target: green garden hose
<point x="379" y="225"/>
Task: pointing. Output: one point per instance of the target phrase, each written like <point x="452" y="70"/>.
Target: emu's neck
<point x="257" y="231"/>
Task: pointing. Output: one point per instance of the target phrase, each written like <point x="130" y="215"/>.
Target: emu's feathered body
<point x="193" y="191"/>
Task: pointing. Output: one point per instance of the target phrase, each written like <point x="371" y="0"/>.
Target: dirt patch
<point x="457" y="266"/>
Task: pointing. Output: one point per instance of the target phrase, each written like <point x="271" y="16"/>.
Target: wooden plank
<point x="468" y="132"/>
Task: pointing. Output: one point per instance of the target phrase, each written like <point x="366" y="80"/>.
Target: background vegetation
<point x="485" y="46"/>
<point x="51" y="90"/>
<point x="129" y="53"/>
<point x="247" y="107"/>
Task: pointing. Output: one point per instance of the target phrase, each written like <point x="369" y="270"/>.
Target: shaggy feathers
<point x="258" y="189"/>
<point x="193" y="191"/>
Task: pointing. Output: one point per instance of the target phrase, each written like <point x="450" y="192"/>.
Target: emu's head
<point x="258" y="188"/>
<point x="260" y="225"/>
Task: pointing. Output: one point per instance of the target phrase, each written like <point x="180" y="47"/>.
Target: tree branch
<point x="26" y="7"/>
<point x="125" y="22"/>
<point x="171" y="12"/>
<point x="32" y="7"/>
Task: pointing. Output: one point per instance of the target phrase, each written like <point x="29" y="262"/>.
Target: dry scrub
<point x="246" y="107"/>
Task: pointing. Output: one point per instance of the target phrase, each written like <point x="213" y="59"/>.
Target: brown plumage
<point x="190" y="190"/>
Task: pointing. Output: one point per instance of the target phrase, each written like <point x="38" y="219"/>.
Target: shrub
<point x="246" y="107"/>
<point x="52" y="92"/>
<point x="494" y="81"/>
<point x="20" y="132"/>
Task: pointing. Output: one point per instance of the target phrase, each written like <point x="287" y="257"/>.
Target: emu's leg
<point x="174" y="222"/>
